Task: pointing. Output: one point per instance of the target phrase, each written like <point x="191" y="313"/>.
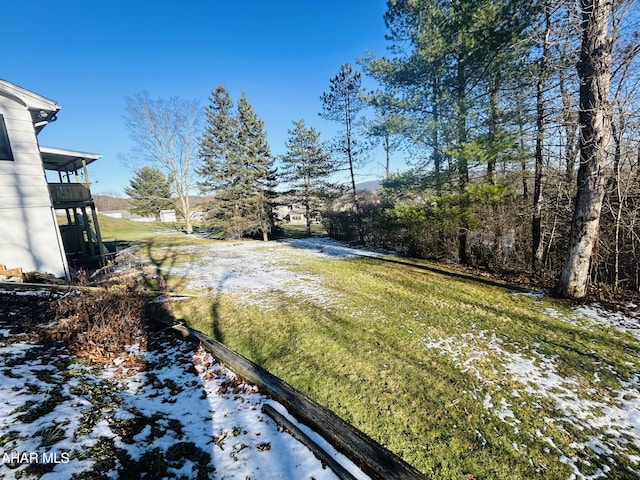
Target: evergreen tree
<point x="387" y="126"/>
<point x="256" y="169"/>
<point x="342" y="104"/>
<point x="306" y="166"/>
<point x="150" y="192"/>
<point x="237" y="167"/>
<point x="217" y="140"/>
<point x="452" y="77"/>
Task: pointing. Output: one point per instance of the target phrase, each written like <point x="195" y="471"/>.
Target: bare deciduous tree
<point x="536" y="223"/>
<point x="166" y="134"/>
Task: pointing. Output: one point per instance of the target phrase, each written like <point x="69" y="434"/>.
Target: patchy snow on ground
<point x="629" y="322"/>
<point x="612" y="419"/>
<point x="188" y="415"/>
<point x="184" y="415"/>
<point x="328" y="248"/>
<point x="252" y="269"/>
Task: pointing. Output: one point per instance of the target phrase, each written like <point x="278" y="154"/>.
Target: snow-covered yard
<point x="251" y="270"/>
<point x="182" y="415"/>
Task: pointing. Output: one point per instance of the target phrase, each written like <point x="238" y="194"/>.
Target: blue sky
<point x="90" y="55"/>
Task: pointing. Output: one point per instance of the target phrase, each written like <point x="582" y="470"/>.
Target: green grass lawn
<point x="367" y="359"/>
<point x="145" y="234"/>
<point x="462" y="377"/>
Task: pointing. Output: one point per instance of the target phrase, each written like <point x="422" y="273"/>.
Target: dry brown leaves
<point x="98" y="325"/>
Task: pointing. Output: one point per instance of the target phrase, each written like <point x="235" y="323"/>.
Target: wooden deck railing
<point x="65" y="193"/>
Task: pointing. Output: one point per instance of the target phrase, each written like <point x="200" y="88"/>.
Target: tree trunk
<point x="537" y="248"/>
<point x="463" y="164"/>
<point x="494" y="99"/>
<point x="461" y="126"/>
<point x="387" y="149"/>
<point x="523" y="159"/>
<point x="570" y="127"/>
<point x="187" y="214"/>
<point x="594" y="70"/>
<point x="569" y="113"/>
<point x="616" y="193"/>
<point x="182" y="188"/>
<point x="354" y="192"/>
<point x="307" y="216"/>
<point x="265" y="222"/>
<point x="435" y="139"/>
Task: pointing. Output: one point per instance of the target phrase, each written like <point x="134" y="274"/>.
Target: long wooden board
<point x="371" y="457"/>
<point x="338" y="469"/>
<point x="375" y="460"/>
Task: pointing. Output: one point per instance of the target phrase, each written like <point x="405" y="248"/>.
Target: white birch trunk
<point x="594" y="70"/>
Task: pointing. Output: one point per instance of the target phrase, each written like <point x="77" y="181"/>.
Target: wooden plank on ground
<point x="65" y="287"/>
<point x="10" y="272"/>
<point x="375" y="460"/>
<point x="295" y="432"/>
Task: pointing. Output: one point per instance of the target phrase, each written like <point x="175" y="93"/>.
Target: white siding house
<point x="30" y="237"/>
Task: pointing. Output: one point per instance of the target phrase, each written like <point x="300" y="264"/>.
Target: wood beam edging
<point x="371" y="457"/>
<point x="297" y="433"/>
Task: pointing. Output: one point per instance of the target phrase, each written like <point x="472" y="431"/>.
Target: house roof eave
<point x="43" y="110"/>
<point x="63" y="160"/>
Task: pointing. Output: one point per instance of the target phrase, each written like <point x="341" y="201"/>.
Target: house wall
<point x="168" y="216"/>
<point x="29" y="235"/>
<point x="297" y="218"/>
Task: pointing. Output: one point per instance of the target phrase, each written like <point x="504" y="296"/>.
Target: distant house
<point x="294" y="213"/>
<point x="168" y="216"/>
<point x="296" y="216"/>
<point x="31" y="237"/>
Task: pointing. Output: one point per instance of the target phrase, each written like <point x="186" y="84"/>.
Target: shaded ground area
<point x="164" y="410"/>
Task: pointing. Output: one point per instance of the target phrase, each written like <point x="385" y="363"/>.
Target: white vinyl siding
<point x="5" y="146"/>
<point x="29" y="237"/>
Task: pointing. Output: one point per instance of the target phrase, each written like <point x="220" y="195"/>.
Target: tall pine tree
<point x="257" y="171"/>
<point x="306" y="166"/>
<point x="451" y="66"/>
<point x="342" y="104"/>
<point x="237" y="167"/>
<point x="217" y="141"/>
